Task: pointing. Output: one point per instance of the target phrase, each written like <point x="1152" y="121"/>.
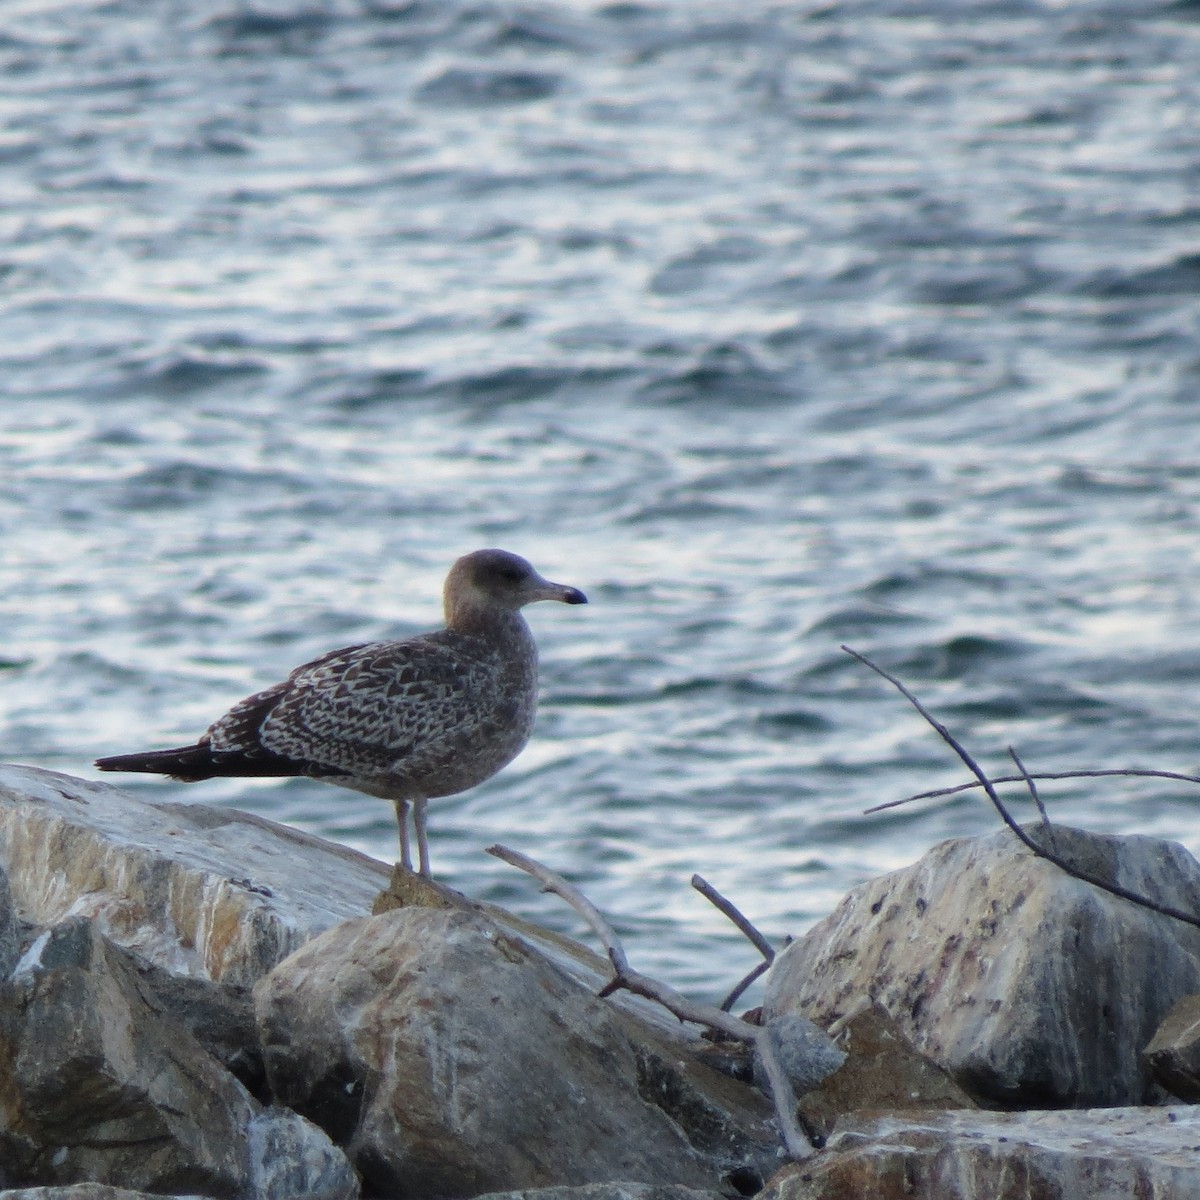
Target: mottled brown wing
<point x="239" y="731"/>
<point x="363" y="709"/>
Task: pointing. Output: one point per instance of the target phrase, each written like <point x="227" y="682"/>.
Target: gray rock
<point x="107" y="1088"/>
<point x="452" y="1059"/>
<point x="696" y="1082"/>
<point x="81" y="1191"/>
<point x="219" y="1016"/>
<point x="1100" y="1154"/>
<point x="10" y="931"/>
<point x="1174" y="1051"/>
<point x="604" y="1191"/>
<point x="1028" y="985"/>
<point x="805" y="1051"/>
<point x="200" y="891"/>
<point x="882" y="1072"/>
<point x="291" y="1158"/>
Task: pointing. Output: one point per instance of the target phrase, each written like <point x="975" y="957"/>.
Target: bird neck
<point x="490" y="623"/>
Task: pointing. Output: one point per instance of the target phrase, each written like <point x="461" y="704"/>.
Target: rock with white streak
<point x="450" y="1058"/>
<point x="200" y="891"/>
<point x="1097" y="1154"/>
<point x="1029" y="986"/>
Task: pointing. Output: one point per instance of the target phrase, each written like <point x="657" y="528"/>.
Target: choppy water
<point x="771" y="326"/>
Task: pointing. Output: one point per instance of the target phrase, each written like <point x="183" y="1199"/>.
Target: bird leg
<point x="402" y="819"/>
<point x="422" y="839"/>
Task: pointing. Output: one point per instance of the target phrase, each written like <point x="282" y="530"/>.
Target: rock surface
<point x="452" y="1059"/>
<point x="882" y="1073"/>
<point x="77" y="1191"/>
<point x="1097" y="1154"/>
<point x="1032" y="988"/>
<point x="457" y="1050"/>
<point x="199" y="891"/>
<point x="602" y="1191"/>
<point x="99" y="1085"/>
<point x="1174" y="1052"/>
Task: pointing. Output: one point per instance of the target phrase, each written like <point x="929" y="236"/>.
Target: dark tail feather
<point x="186" y="763"/>
<point x="189" y="764"/>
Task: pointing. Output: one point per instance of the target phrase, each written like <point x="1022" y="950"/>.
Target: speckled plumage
<point x="407" y="721"/>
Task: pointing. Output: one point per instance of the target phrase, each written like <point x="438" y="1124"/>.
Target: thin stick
<point x="730" y="1000"/>
<point x="1012" y="753"/>
<point x="797" y="1145"/>
<point x="1043" y="775"/>
<point x="1114" y="889"/>
<point x="795" y="1140"/>
<point x="575" y="898"/>
<point x="725" y="906"/>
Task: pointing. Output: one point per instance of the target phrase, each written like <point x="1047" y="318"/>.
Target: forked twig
<point x="1033" y="791"/>
<point x="760" y="943"/>
<point x="1114" y="889"/>
<point x="795" y="1142"/>
<point x="727" y="907"/>
<point x="1132" y="772"/>
<point x="738" y="988"/>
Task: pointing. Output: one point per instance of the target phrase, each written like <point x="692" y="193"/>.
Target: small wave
<point x="860" y="620"/>
<point x="480" y="88"/>
<point x="546" y="30"/>
<point x="963" y="656"/>
<point x="787" y="723"/>
<point x="250" y="30"/>
<point x="924" y="578"/>
<point x="183" y="483"/>
<point x="1077" y="478"/>
<point x="994" y="283"/>
<point x="515" y="384"/>
<point x="696" y="270"/>
<point x="184" y="374"/>
<point x="727" y="374"/>
<point x="390" y="386"/>
<point x="1181" y="277"/>
<point x="1042" y="701"/>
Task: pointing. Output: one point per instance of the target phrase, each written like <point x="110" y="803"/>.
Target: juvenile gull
<point x="406" y="721"/>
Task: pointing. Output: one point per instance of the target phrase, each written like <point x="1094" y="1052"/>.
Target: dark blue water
<point x="772" y="327"/>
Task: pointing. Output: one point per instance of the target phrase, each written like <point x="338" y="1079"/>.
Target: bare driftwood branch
<point x="727" y="907"/>
<point x="1114" y="889"/>
<point x="795" y="1142"/>
<point x="575" y="898"/>
<point x="1033" y="791"/>
<point x="1132" y="772"/>
<point x="740" y="987"/>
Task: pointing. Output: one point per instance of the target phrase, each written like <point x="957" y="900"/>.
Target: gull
<point x="407" y="721"/>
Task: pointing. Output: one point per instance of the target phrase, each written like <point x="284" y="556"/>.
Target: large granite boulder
<point x="1097" y="1154"/>
<point x="199" y="891"/>
<point x="451" y="1058"/>
<point x="96" y="1083"/>
<point x="1031" y="987"/>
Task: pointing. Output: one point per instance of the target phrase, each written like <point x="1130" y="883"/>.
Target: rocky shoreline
<point x="198" y="1002"/>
